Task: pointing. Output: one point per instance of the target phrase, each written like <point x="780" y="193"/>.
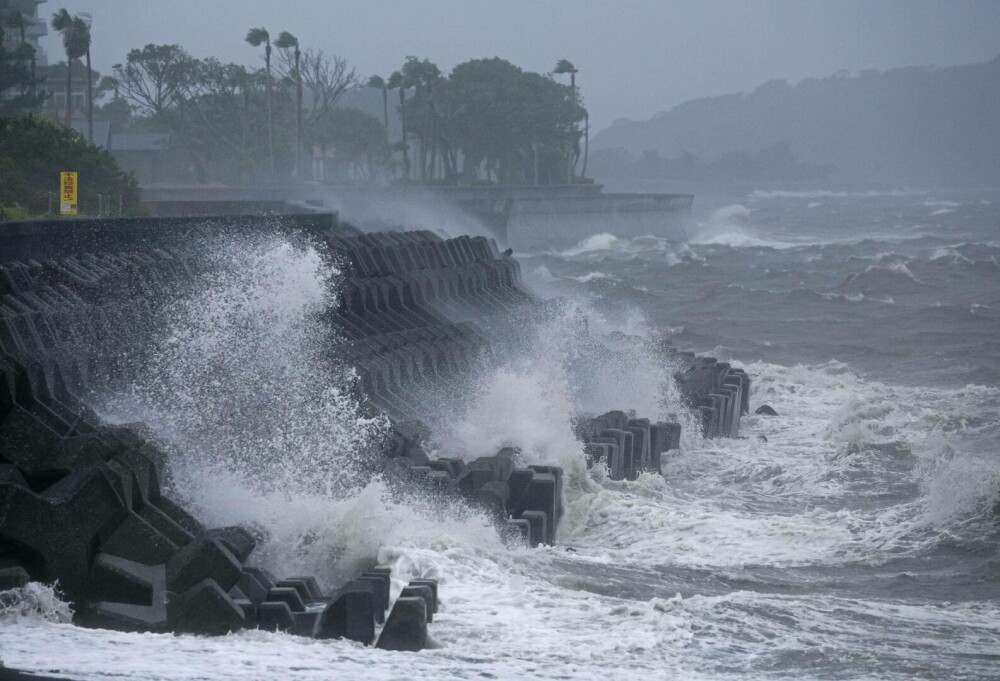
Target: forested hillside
<point x="919" y="124"/>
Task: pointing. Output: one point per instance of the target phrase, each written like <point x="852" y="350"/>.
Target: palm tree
<point x="76" y="42"/>
<point x="566" y="66"/>
<point x="87" y="20"/>
<point x="286" y="40"/>
<point x="379" y="82"/>
<point x="256" y="36"/>
<point x="396" y="80"/>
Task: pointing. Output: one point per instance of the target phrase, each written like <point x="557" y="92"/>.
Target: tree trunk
<point x="245" y="170"/>
<point x="270" y="122"/>
<point x="298" y="113"/>
<point x="534" y="150"/>
<point x="434" y="146"/>
<point x="34" y="85"/>
<point x="69" y="91"/>
<point x="402" y="120"/>
<point x="385" y="111"/>
<point x="90" y="102"/>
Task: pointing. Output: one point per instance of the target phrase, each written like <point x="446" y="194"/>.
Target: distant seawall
<point x="521" y="217"/>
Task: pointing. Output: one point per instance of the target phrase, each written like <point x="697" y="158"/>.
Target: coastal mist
<point x="447" y="340"/>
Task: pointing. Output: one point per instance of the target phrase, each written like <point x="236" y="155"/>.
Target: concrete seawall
<point x="521" y="217"/>
<point x="85" y="502"/>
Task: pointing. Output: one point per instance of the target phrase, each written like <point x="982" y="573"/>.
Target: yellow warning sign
<point x="67" y="190"/>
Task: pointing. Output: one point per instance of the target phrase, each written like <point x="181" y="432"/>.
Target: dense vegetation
<point x="490" y="120"/>
<point x="487" y="120"/>
<point x="35" y="149"/>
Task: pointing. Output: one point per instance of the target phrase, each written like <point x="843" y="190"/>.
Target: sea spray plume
<point x="337" y="538"/>
<point x="555" y="365"/>
<point x="526" y="401"/>
<point x="243" y="380"/>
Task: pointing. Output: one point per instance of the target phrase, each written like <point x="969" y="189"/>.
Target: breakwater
<point x="90" y="505"/>
<point x="523" y="217"/>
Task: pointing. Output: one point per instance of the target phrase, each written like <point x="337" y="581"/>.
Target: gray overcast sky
<point x="635" y="57"/>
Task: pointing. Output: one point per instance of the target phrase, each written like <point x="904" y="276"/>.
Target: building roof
<point x="139" y="141"/>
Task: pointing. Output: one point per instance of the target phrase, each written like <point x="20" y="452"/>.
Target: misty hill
<point x="919" y="124"/>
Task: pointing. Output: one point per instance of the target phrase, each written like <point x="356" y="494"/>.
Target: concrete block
<point x="406" y="628"/>
<point x="201" y="559"/>
<point x="275" y="616"/>
<point x="61" y="526"/>
<point x="421" y="591"/>
<point x="380" y="593"/>
<point x="204" y="609"/>
<point x="433" y="585"/>
<point x="309" y="584"/>
<point x="288" y="595"/>
<point x="351" y="614"/>
<point x="538" y="526"/>
<point x="252" y="588"/>
<point x="238" y="540"/>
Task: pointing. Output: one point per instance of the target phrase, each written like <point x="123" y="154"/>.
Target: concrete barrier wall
<point x="42" y="239"/>
<point x="522" y="217"/>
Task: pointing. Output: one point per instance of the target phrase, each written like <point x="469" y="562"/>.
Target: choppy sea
<point x="855" y="535"/>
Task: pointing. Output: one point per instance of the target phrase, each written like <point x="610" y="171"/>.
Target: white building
<point x="35" y="27"/>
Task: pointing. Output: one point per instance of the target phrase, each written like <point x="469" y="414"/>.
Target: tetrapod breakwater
<point x="91" y="505"/>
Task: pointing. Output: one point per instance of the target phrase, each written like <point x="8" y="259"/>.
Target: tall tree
<point x="87" y="20"/>
<point x="325" y="80"/>
<point x="287" y="41"/>
<point x="378" y="82"/>
<point x="564" y="66"/>
<point x="425" y="78"/>
<point x="256" y="37"/>
<point x="502" y="117"/>
<point x="325" y="77"/>
<point x="76" y="42"/>
<point x="154" y="78"/>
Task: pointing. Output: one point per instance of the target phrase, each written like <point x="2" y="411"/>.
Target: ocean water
<point x="855" y="535"/>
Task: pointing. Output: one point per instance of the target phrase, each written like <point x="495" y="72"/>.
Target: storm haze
<point x="634" y="58"/>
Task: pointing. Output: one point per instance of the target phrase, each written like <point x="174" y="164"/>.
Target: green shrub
<point x="35" y="149"/>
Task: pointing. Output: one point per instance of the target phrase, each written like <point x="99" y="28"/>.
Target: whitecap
<point x="729" y="226"/>
<point x="826" y="193"/>
<point x="594" y="276"/>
